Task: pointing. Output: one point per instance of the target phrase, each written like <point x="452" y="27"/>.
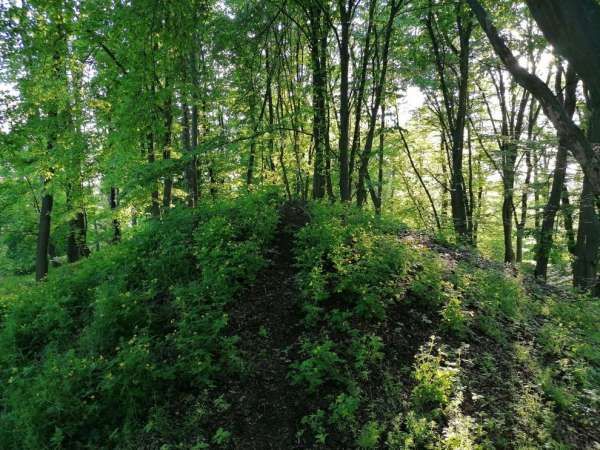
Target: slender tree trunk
<point x="44" y="227"/>
<point x="191" y="170"/>
<point x="524" y="206"/>
<point x="41" y="264"/>
<point x="457" y="194"/>
<point x="567" y="212"/>
<point x="380" y="159"/>
<point x="545" y="239"/>
<point x="76" y="239"/>
<point x="252" y="154"/>
<point x="507" y="204"/>
<point x="155" y="204"/>
<point x="96" y="236"/>
<point x="456" y="112"/>
<point x="344" y="168"/>
<point x="168" y="184"/>
<point x="363" y="169"/>
<point x="421" y="181"/>
<point x="194" y="169"/>
<point x="360" y="94"/>
<point x="445" y="190"/>
<point x="319" y="88"/>
<point x="114" y="203"/>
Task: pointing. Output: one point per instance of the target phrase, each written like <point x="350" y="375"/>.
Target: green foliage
<point x="434" y="380"/>
<point x="420" y="431"/>
<point x="141" y="334"/>
<point x="316" y="424"/>
<point x="369" y="435"/>
<point x="454" y="318"/>
<point x="427" y="285"/>
<point x="150" y="343"/>
<point x="321" y="364"/>
<point x="344" y="409"/>
<point x="92" y="356"/>
<point x="348" y="259"/>
<point x="496" y="296"/>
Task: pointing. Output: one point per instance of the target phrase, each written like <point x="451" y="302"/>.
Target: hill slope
<point x="252" y="324"/>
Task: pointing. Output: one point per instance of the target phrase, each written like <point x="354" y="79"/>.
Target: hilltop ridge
<point x="258" y="324"/>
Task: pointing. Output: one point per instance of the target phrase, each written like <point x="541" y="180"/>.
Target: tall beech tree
<point x="568" y="98"/>
<point x="453" y="78"/>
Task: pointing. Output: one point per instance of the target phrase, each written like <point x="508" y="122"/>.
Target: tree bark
<point x="458" y="194"/>
<point x="545" y="240"/>
<point x="76" y="244"/>
<point x="41" y="263"/>
<point x="166" y="144"/>
<point x="588" y="235"/>
<point x="114" y="203"/>
<point x="154" y="202"/>
<point x="455" y="106"/>
<point x="360" y="94"/>
<point x="191" y="170"/>
<point x="361" y="195"/>
<point x="572" y="28"/>
<point x="344" y="168"/>
<point x="319" y="91"/>
<point x="567" y="212"/>
<point x="585" y="266"/>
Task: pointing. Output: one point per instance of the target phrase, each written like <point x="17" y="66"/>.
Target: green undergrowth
<point x="408" y="348"/>
<point x="401" y="344"/>
<point x="364" y="290"/>
<point x="118" y="350"/>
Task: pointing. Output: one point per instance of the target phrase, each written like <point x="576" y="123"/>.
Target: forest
<point x="299" y="224"/>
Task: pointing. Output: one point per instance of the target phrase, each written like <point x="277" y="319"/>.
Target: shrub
<point x="434" y="380"/>
<point x="105" y="351"/>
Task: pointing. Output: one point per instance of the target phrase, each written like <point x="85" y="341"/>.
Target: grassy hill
<point x="259" y="324"/>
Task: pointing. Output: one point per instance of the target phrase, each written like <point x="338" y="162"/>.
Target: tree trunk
<point x="456" y="106"/>
<point x="319" y="91"/>
<point x="572" y="28"/>
<point x="524" y="205"/>
<point x="191" y="170"/>
<point x="344" y="169"/>
<point x="168" y="186"/>
<point x="586" y="260"/>
<point x="567" y="212"/>
<point x="76" y="243"/>
<point x="588" y="234"/>
<point x="114" y="203"/>
<point x="41" y="263"/>
<point x="380" y="160"/>
<point x="510" y="153"/>
<point x="457" y="193"/>
<point x="361" y="194"/>
<point x="545" y="240"/>
<point x="154" y="202"/>
<point x="360" y="94"/>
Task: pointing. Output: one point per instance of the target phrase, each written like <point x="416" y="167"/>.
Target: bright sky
<point x="408" y="104"/>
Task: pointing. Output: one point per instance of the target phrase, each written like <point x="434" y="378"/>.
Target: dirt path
<point x="268" y="322"/>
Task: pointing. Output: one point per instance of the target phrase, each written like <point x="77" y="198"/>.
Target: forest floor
<point x="499" y="398"/>
<point x="268" y="319"/>
<point x="499" y="370"/>
<point x="260" y="325"/>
